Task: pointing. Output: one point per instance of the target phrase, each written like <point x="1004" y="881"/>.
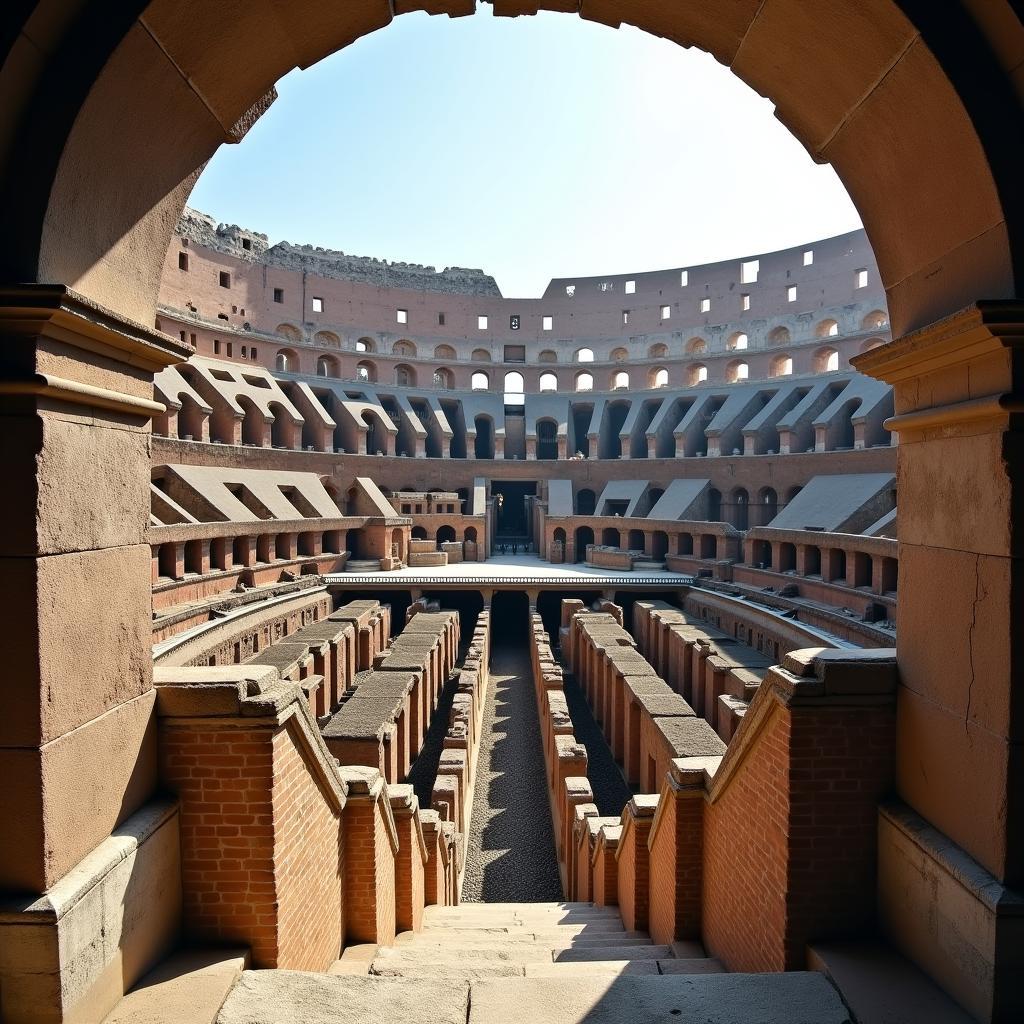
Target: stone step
<point x="608" y="994"/>
<point x="802" y="997"/>
<point x="189" y="985"/>
<point x="600" y="968"/>
<point x="549" y="940"/>
<point x="707" y="965"/>
<point x="470" y="931"/>
<point x="288" y="997"/>
<point x="565" y="956"/>
<point x="882" y="987"/>
<point x="451" y="973"/>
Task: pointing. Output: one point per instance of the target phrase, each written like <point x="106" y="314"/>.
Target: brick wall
<point x="223" y="776"/>
<point x="260" y="843"/>
<point x="745" y="862"/>
<point x="308" y="863"/>
<point x="370" y="874"/>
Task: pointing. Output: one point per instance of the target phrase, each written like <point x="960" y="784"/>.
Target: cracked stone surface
<point x="510" y="855"/>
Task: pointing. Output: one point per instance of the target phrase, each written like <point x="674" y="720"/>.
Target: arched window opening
<point x="619" y="355"/>
<point x="584" y="382"/>
<point x="827" y="329"/>
<point x="782" y="366"/>
<point x="444" y="352"/>
<point x="586" y="502"/>
<point x="875" y="320"/>
<point x="442" y="378"/>
<point x="620" y="380"/>
<point x="286" y="361"/>
<point x="658" y="377"/>
<point x="696" y="374"/>
<point x="484" y="443"/>
<point x="480" y="382"/>
<point x="326" y="367"/>
<point x="737" y="342"/>
<point x="779" y="336"/>
<point x="480" y="355"/>
<point x="365" y="345"/>
<point x="826" y="360"/>
<point x="327" y="338"/>
<point x="714" y="505"/>
<point x="404" y="348"/>
<point x="445" y="534"/>
<point x="547" y="440"/>
<point x="289" y="332"/>
<point x="405" y="376"/>
<point x="547" y="356"/>
<point x="740" y="509"/>
<point x="584" y="355"/>
<point x="515" y="385"/>
<point x="658" y="351"/>
<point x="610" y="537"/>
<point x="695" y="346"/>
<point x="548" y="382"/>
<point x="737" y="371"/>
<point x="584" y="537"/>
<point x="366" y="372"/>
<point x="768" y="502"/>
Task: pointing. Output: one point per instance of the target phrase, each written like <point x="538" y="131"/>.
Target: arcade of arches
<point x="109" y="114"/>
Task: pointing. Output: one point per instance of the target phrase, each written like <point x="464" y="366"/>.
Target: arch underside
<point x="883" y="95"/>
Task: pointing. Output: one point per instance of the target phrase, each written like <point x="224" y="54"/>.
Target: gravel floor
<point x="510" y="855"/>
<point x="611" y="793"/>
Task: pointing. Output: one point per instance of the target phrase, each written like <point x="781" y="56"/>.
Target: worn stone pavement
<point x="510" y="855"/>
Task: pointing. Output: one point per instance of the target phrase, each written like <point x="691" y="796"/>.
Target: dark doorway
<point x="398" y="599"/>
<point x="514" y="523"/>
<point x="509" y="618"/>
<point x="468" y="603"/>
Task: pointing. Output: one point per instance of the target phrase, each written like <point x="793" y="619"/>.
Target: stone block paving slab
<point x="300" y="997"/>
<point x="799" y="998"/>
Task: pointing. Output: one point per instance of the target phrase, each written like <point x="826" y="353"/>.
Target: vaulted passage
<point x="510" y="856"/>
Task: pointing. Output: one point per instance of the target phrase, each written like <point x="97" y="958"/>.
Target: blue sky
<point x="531" y="147"/>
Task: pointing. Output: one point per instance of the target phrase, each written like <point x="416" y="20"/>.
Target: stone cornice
<point x="55" y="310"/>
<point x="978" y="330"/>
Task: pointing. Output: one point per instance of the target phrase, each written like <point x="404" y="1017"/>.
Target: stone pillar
<point x="634" y="861"/>
<point x="676" y="852"/>
<point x="959" y="411"/>
<point x="531" y="449"/>
<point x="76" y="386"/>
<point x="410" y="861"/>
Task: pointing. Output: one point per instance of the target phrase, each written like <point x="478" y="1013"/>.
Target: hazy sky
<point x="531" y="147"/>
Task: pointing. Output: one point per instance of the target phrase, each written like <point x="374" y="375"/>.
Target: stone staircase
<point x="547" y="963"/>
<point x="538" y="940"/>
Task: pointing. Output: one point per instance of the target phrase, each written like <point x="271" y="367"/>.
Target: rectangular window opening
<point x="808" y="257"/>
<point x="666" y="312"/>
<point x="745" y="302"/>
<point x="684" y="278"/>
<point x="402" y="316"/>
<point x="318" y="304"/>
<point x="791" y="293"/>
<point x="625" y="317"/>
<point x="440" y="319"/>
<point x="749" y="270"/>
<point x="861" y="278"/>
<point x="279" y="295"/>
<point x="705" y="305"/>
<point x="225" y="279"/>
<point x="481" y="323"/>
<point x="183" y="261"/>
<point x="630" y="287"/>
<point x="548" y="323"/>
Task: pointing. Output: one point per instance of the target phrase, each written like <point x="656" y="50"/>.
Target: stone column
<point x="959" y="410"/>
<point x="77" y="738"/>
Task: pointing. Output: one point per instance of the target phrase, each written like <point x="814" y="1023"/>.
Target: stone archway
<point x="884" y="95"/>
<point x="880" y="94"/>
